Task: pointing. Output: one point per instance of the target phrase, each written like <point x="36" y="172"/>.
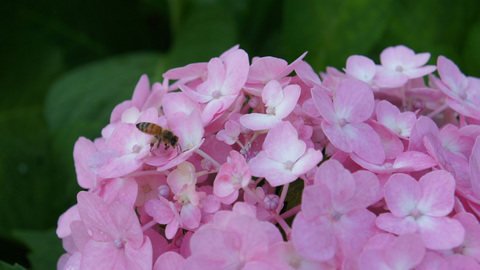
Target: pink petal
<point x="365" y="142"/>
<point x="367" y="189"/>
<point x="338" y="180"/>
<point x="286" y="135"/>
<point x="306" y="162"/>
<point x="307" y="74"/>
<point x="161" y="212"/>
<point x="471" y="244"/>
<point x="450" y="73"/>
<point x="126" y="224"/>
<point x="95" y="216"/>
<point x="353" y="101"/>
<point x="396" y="225"/>
<point x="314" y="240"/>
<point x="386" y="113"/>
<point x="274" y="171"/>
<point x="405" y="252"/>
<point x="190" y="216"/>
<point x="191" y="71"/>
<point x="102" y="255"/>
<point x="64" y="221"/>
<point x="141" y="92"/>
<point x="316" y="201"/>
<point x="169" y="260"/>
<point x="402" y="193"/>
<point x="82" y="151"/>
<point x="475" y="168"/>
<point x="120" y="189"/>
<point x="258" y="121"/>
<point x="438" y="193"/>
<point x="423" y="126"/>
<point x="120" y="166"/>
<point x="290" y="99"/>
<point x="360" y="67"/>
<point x="337" y="136"/>
<point x="440" y="232"/>
<point x="413" y="161"/>
<point x="265" y="69"/>
<point x="236" y="72"/>
<point x="324" y="104"/>
<point x="272" y="94"/>
<point x="354" y="229"/>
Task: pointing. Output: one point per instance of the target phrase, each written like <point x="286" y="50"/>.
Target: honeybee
<point x="161" y="135"/>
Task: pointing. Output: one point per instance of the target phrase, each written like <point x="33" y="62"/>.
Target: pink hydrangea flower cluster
<point x="390" y="167"/>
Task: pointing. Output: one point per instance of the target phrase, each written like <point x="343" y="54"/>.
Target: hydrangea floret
<point x="385" y="159"/>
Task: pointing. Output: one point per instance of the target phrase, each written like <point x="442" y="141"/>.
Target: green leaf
<point x="90" y="92"/>
<point x="45" y="246"/>
<point x="472" y="52"/>
<point x="207" y="30"/>
<point x="6" y="266"/>
<point x="333" y="30"/>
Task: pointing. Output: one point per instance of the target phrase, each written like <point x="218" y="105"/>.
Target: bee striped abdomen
<point x="149" y="128"/>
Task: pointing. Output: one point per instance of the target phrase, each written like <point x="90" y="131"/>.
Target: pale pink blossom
<point x="232" y="176"/>
<point x="399" y="64"/>
<point x="422" y="207"/>
<point x="225" y="79"/>
<point x="402" y="252"/>
<point x="462" y="91"/>
<point x="281" y="165"/>
<point x="401" y="123"/>
<point x="344" y="119"/>
<point x="334" y="217"/>
<point x="116" y="239"/>
<point x="279" y="104"/>
<point x="361" y="68"/>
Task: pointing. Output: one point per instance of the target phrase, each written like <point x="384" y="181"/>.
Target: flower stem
<point x="208" y="157"/>
<point x="282" y="198"/>
<point x="149" y="225"/>
<point x="437" y="111"/>
<point x="291" y="212"/>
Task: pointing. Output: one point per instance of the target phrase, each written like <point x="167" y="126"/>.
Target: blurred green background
<point x="66" y="64"/>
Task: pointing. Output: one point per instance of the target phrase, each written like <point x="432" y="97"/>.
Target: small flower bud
<point x="271" y="202"/>
<point x="163" y="191"/>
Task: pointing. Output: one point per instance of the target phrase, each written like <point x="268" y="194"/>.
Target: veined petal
<point x="324" y="104"/>
<point x="290" y="99"/>
<point x="438" y="193"/>
<point x="286" y="135"/>
<point x="309" y="160"/>
<point x="402" y="193"/>
<point x="440" y="232"/>
<point x="365" y="142"/>
<point x="353" y="100"/>
<point x="259" y="121"/>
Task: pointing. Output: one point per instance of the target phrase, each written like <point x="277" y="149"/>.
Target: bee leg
<point x="166" y="146"/>
<point x="152" y="142"/>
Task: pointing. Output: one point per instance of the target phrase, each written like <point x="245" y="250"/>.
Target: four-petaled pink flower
<point x="334" y="214"/>
<point x="284" y="157"/>
<point x="399" y="64"/>
<point x="422" y="207"/>
<point x="116" y="239"/>
<point x="344" y="119"/>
